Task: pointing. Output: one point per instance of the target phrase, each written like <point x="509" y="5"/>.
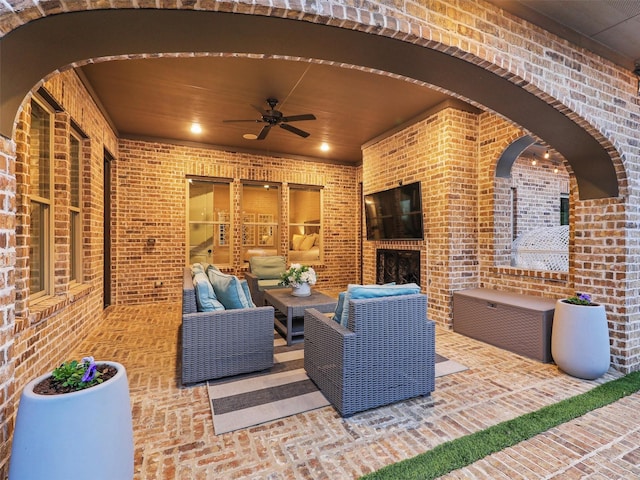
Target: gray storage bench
<point x="518" y="323"/>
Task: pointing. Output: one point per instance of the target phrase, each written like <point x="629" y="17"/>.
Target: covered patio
<point x="114" y="226"/>
<point x="174" y="436"/>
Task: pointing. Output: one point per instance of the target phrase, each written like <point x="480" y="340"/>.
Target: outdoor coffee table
<point x="293" y="308"/>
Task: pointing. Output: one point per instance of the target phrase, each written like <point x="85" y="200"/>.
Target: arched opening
<point x="62" y="40"/>
<point x="532" y="201"/>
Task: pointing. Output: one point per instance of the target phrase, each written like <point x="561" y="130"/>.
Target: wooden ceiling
<point x="160" y="99"/>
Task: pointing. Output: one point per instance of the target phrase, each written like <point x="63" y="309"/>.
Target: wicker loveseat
<point x="386" y="353"/>
<point x="223" y="343"/>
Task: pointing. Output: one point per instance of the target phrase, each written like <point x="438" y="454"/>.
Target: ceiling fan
<point x="274" y="117"/>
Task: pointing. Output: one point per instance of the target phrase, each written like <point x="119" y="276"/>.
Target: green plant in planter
<point x="52" y="422"/>
<point x="580" y="299"/>
<point x="78" y="375"/>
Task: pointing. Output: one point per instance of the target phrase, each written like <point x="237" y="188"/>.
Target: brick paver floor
<point x="174" y="437"/>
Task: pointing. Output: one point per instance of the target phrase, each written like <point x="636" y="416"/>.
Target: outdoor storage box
<point x="518" y="323"/>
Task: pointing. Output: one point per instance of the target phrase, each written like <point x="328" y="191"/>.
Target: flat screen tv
<point x="394" y="214"/>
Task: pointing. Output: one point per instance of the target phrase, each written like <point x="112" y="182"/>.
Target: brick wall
<point x="8" y="384"/>
<point x="538" y="193"/>
<point x="45" y="330"/>
<point x="150" y="202"/>
<point x="440" y="153"/>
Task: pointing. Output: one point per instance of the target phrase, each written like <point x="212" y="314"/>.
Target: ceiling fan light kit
<point x="273" y="117"/>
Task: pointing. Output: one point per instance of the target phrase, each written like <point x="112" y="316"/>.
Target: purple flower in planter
<point x="580" y="299"/>
<point x="90" y="372"/>
<point x="585" y="297"/>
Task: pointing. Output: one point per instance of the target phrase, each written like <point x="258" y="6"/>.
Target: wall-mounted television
<point x="394" y="214"/>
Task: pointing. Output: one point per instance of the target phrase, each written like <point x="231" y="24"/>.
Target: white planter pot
<point x="580" y="340"/>
<point x="304" y="290"/>
<point x="86" y="434"/>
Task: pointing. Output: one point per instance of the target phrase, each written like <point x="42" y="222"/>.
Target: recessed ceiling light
<point x="324" y="146"/>
<point x="249" y="136"/>
<point x="196" y="128"/>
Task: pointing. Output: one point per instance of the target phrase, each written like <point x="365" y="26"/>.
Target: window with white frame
<point x="305" y="224"/>
<point x="209" y="218"/>
<point x="40" y="199"/>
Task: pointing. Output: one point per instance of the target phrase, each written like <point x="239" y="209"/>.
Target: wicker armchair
<point x="264" y="273"/>
<point x="223" y="343"/>
<point x="386" y="354"/>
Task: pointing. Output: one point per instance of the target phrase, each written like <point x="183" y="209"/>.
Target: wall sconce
<point x="546" y="155"/>
<point x="534" y="161"/>
<point x="636" y="71"/>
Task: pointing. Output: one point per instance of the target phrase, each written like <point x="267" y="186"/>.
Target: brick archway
<point x="81" y="36"/>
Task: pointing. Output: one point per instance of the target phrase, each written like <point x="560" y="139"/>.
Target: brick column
<point x="7" y="297"/>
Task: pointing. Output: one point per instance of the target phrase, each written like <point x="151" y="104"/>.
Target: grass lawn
<point x="466" y="450"/>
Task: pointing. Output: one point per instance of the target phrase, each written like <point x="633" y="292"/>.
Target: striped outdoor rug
<point x="282" y="391"/>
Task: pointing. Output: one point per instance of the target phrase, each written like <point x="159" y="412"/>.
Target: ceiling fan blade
<point x="236" y="121"/>
<point x="264" y="132"/>
<point x="295" y="130"/>
<point x="297" y="118"/>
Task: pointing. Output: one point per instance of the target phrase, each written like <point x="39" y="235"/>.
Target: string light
<point x="546" y="155"/>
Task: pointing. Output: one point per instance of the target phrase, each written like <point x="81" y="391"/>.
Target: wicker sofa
<point x="386" y="354"/>
<point x="223" y="343"/>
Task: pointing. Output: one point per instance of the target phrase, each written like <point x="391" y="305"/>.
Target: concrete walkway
<point x="174" y="434"/>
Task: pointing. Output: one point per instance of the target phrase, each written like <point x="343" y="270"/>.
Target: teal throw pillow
<point x="375" y="291"/>
<point x="205" y="296"/>
<point x="337" y="314"/>
<point x="228" y="289"/>
<point x="247" y="293"/>
<point x="196" y="268"/>
<point x="344" y="315"/>
<point x="269" y="267"/>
